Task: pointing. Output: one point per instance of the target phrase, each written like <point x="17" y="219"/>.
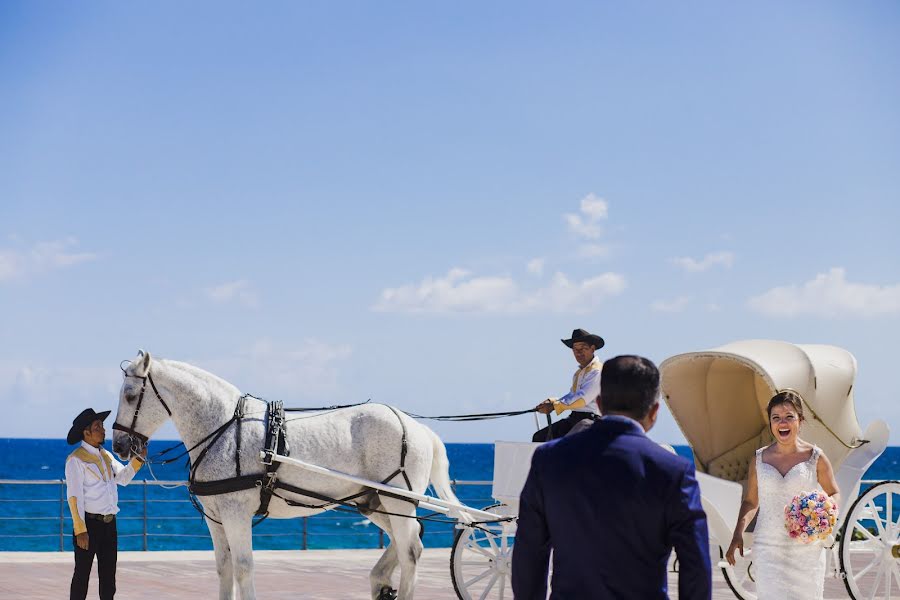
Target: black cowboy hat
<point x="580" y="335"/>
<point x="82" y="422"/>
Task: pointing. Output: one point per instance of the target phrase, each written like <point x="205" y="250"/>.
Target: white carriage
<point x="718" y="398"/>
<point x="481" y="558"/>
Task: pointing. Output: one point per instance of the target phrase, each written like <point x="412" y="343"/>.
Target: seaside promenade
<point x="280" y="575"/>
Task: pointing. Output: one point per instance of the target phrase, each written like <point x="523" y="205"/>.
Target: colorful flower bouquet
<point x="810" y="516"/>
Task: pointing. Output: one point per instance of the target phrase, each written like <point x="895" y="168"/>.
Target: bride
<point x="785" y="568"/>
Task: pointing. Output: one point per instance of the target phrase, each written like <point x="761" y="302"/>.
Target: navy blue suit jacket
<point x="612" y="504"/>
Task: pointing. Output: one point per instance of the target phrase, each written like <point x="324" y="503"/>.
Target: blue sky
<point x="414" y="202"/>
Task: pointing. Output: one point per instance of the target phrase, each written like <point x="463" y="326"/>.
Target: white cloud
<point x="586" y="225"/>
<point x="595" y="208"/>
<point x="536" y="266"/>
<point x="43" y="256"/>
<point x="675" y="305"/>
<point x="725" y="259"/>
<point x="56" y="255"/>
<point x="10" y="265"/>
<point x="460" y="292"/>
<point x="238" y="291"/>
<point x="829" y="295"/>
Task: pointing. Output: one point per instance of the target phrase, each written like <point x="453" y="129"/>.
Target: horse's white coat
<point x="363" y="440"/>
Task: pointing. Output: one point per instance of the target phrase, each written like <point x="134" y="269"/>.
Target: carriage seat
<point x="735" y="464"/>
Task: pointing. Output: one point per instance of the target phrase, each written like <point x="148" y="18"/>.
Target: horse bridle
<point x="131" y="430"/>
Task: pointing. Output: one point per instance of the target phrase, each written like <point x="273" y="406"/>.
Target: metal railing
<point x="153" y="516"/>
<point x="137" y="522"/>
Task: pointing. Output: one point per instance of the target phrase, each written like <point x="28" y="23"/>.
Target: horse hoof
<point x="387" y="594"/>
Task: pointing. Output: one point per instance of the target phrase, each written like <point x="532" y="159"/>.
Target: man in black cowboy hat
<point x="92" y="475"/>
<point x="582" y="397"/>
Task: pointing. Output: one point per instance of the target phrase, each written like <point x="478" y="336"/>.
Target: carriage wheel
<point x="870" y="543"/>
<point x="481" y="560"/>
<point x="740" y="577"/>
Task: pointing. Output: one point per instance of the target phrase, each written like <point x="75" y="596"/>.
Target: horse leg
<point x="380" y="575"/>
<point x="223" y="560"/>
<point x="240" y="541"/>
<point x="407" y="543"/>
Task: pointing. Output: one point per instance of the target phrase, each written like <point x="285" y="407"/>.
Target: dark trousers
<point x="102" y="542"/>
<point x="561" y="427"/>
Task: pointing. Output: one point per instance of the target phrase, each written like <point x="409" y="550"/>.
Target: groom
<point x="612" y="504"/>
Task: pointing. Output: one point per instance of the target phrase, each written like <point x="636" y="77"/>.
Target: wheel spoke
<point x="472" y="563"/>
<point x="871" y="570"/>
<point x="479" y="550"/>
<point x="889" y="517"/>
<point x="866" y="532"/>
<point x="876" y="517"/>
<point x="477" y="578"/>
<point x="479" y="562"/>
<point x="876" y="586"/>
<point x="887" y="582"/>
<point x="490" y="539"/>
<point x="489" y="587"/>
<point x="867" y="568"/>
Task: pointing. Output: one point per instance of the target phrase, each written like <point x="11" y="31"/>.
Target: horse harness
<point x="268" y="482"/>
<point x="275" y="443"/>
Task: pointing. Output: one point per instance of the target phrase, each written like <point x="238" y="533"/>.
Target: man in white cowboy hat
<point x="582" y="397"/>
<point x="92" y="475"/>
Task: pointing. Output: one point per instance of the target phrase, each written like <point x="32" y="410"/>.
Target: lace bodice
<point x="784" y="567"/>
<point x="776" y="491"/>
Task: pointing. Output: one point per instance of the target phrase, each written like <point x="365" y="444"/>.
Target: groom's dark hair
<point x="629" y="385"/>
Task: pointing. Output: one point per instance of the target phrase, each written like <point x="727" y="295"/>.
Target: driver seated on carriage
<point x="582" y="397"/>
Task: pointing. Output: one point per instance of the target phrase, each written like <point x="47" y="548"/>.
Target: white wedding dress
<point x="784" y="568"/>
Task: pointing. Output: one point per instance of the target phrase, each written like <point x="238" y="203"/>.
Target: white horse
<point x="364" y="441"/>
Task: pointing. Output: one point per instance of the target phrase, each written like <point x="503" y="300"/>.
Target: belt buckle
<point x="108" y="518"/>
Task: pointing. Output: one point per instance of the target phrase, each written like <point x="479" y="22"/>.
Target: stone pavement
<point x="280" y="575"/>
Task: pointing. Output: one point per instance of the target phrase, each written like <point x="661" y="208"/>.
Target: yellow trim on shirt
<point x="109" y="468"/>
<point x="559" y="407"/>
<point x="77" y="524"/>
<point x="105" y="466"/>
<point x="591" y="366"/>
<point x="85" y="456"/>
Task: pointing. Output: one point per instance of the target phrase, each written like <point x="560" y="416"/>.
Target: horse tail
<point x="440" y="470"/>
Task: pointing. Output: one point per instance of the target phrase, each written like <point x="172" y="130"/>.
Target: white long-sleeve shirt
<point x="585" y="390"/>
<point x="92" y="475"/>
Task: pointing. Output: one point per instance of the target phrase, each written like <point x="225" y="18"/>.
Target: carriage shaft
<point x="429" y="502"/>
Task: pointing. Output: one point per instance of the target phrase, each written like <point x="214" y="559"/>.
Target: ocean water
<point x="34" y="517"/>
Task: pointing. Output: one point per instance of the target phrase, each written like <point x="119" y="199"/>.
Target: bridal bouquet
<point x="810" y="516"/>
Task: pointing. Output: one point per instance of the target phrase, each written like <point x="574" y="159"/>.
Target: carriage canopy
<point x="718" y="398"/>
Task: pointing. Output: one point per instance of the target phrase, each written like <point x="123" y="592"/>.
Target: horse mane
<point x="196" y="372"/>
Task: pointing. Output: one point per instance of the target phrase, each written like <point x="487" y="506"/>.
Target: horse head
<point x="141" y="409"/>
